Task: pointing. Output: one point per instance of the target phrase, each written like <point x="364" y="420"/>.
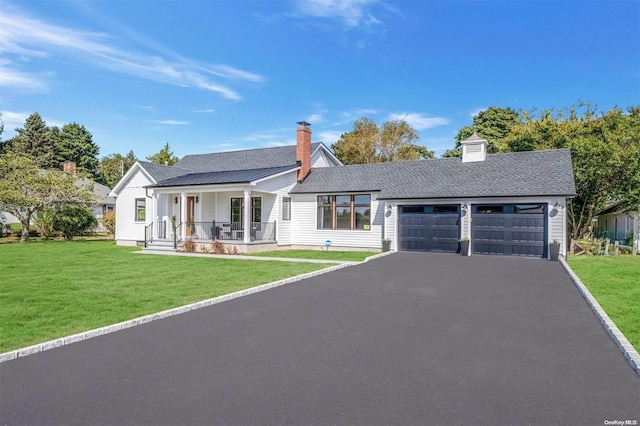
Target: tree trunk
<point x="25" y="230"/>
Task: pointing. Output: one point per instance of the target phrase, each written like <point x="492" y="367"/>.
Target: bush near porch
<point x="615" y="283"/>
<point x="53" y="289"/>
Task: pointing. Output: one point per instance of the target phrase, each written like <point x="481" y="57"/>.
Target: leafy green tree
<point x="114" y="166"/>
<point x="493" y="124"/>
<point x="109" y="221"/>
<point x="74" y="219"/>
<point x="34" y="141"/>
<point x="75" y="143"/>
<point x="367" y="143"/>
<point x="44" y="221"/>
<point x="164" y="156"/>
<point x="605" y="151"/>
<point x="26" y="189"/>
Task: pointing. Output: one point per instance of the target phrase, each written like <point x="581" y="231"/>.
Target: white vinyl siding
<point x="305" y="233"/>
<point x="320" y="159"/>
<point x="127" y="229"/>
<point x="280" y="187"/>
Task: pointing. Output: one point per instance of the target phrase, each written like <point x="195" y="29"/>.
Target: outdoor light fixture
<point x="556" y="205"/>
<point x="197" y="200"/>
<point x="175" y="200"/>
<point x="389" y="208"/>
<point x="466" y="206"/>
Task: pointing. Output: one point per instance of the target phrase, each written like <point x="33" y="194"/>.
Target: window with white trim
<point x="141" y="209"/>
<point x="286" y="208"/>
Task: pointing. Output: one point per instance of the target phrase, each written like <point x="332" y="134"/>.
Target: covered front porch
<point x="230" y="214"/>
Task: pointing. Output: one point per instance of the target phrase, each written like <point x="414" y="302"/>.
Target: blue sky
<point x="211" y="75"/>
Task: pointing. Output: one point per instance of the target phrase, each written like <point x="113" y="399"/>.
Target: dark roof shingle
<point x="161" y="172"/>
<point x="261" y="158"/>
<point x="213" y="178"/>
<point x="531" y="173"/>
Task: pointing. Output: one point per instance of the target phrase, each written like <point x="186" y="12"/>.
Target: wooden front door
<point x="191" y="205"/>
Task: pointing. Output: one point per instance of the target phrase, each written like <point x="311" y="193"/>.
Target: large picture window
<point x="344" y="212"/>
<point x="141" y="209"/>
<point x="237" y="209"/>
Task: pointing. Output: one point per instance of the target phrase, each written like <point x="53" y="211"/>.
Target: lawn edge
<point x="620" y="340"/>
<point x="78" y="337"/>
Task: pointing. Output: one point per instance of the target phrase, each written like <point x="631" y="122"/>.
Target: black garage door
<point x="429" y="228"/>
<point x="509" y="229"/>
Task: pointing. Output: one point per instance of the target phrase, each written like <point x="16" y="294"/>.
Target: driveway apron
<point x="411" y="338"/>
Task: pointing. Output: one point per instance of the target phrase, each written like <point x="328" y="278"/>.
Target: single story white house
<point x="618" y="223"/>
<point x="302" y="196"/>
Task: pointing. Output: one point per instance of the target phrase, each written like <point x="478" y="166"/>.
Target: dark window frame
<point x="333" y="203"/>
<point x="139" y="208"/>
<point x="256" y="211"/>
<point x="286" y="208"/>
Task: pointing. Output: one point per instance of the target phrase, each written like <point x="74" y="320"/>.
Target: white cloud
<point x="314" y="118"/>
<point x="24" y="81"/>
<point x="171" y="122"/>
<point x="352" y="13"/>
<point x="205" y="111"/>
<point x="12" y="119"/>
<point x="328" y="136"/>
<point x="419" y="121"/>
<point x="27" y="37"/>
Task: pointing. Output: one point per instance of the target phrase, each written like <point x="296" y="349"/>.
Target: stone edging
<point x="63" y="341"/>
<point x="623" y="344"/>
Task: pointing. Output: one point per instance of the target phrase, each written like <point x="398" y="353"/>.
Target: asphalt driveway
<point x="412" y="338"/>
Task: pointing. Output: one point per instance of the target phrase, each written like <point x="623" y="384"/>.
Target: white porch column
<point x="247" y="216"/>
<point x="183" y="215"/>
<point x="154" y="215"/>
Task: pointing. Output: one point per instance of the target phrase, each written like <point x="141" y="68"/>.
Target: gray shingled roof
<point x="213" y="178"/>
<point x="281" y="156"/>
<point x="512" y="174"/>
<point x="161" y="172"/>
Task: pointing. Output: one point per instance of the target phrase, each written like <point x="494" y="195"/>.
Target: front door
<point x="191" y="205"/>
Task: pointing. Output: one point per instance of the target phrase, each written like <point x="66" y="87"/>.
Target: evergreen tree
<point x="165" y="156"/>
<point x="75" y="143"/>
<point x="34" y="141"/>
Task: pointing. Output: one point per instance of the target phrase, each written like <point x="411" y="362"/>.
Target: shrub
<point x="109" y="221"/>
<point x="189" y="246"/>
<point x="217" y="247"/>
<point x="232" y="250"/>
<point x="72" y="220"/>
<point x="204" y="249"/>
<point x="44" y="222"/>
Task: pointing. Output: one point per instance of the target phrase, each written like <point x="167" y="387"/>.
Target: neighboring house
<point x="104" y="203"/>
<point x="302" y="196"/>
<point x="618" y="223"/>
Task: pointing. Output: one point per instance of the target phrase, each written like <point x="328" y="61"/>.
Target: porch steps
<point x="160" y="245"/>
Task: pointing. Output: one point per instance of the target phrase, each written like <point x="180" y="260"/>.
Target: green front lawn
<point x="350" y="256"/>
<point x="615" y="283"/>
<point x="53" y="289"/>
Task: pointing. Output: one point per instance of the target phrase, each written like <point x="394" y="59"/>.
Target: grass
<point x="53" y="289"/>
<point x="615" y="283"/>
<point x="352" y="256"/>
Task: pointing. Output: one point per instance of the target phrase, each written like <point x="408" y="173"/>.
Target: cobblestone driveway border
<point x="623" y="344"/>
<point x="62" y="341"/>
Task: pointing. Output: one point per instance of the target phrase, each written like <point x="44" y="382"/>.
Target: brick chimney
<point x="69" y="167"/>
<point x="303" y="149"/>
